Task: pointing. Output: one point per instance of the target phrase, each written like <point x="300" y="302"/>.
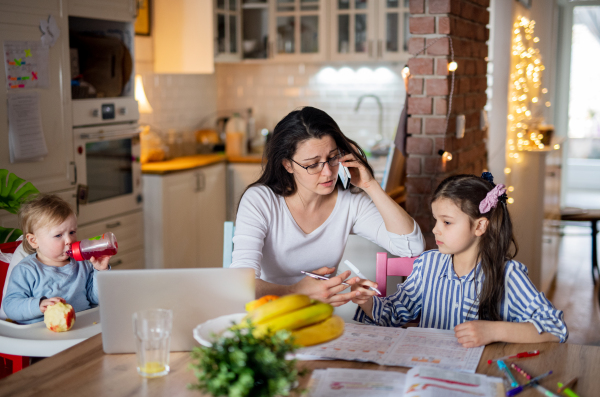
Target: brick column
<point x="464" y="22"/>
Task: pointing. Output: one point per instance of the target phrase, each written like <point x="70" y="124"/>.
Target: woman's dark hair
<point x="295" y="128"/>
<point x="497" y="244"/>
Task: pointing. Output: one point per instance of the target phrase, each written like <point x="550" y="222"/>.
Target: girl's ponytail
<point x="497" y="244"/>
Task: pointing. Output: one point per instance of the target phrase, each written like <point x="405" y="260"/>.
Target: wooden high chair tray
<point x="35" y="340"/>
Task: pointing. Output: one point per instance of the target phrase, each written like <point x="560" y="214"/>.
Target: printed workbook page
<point x="345" y="382"/>
<point x="358" y="343"/>
<point x="433" y="382"/>
<point x="396" y="346"/>
<point x="432" y="348"/>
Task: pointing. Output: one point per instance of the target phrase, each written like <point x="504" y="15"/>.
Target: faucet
<point x="380" y="121"/>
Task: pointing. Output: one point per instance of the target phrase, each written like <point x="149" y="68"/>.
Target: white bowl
<point x="203" y="333"/>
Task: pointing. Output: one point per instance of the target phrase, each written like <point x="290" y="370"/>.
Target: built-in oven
<point x="107" y="151"/>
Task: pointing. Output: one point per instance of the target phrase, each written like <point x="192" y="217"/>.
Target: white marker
<point x="359" y="274"/>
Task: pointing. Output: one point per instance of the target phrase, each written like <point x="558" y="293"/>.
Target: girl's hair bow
<point x="491" y="199"/>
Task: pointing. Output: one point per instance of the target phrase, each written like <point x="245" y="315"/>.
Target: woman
<point x="295" y="217"/>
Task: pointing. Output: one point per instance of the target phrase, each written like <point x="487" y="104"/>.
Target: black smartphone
<point x="344" y="175"/>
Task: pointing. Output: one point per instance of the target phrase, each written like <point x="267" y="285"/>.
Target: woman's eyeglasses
<point x="316" y="168"/>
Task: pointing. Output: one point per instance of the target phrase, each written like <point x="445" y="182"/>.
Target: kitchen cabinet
<point x="183" y="36"/>
<point x="297" y="30"/>
<point x="113" y="10"/>
<point x="535" y="212"/>
<point x="20" y="20"/>
<point x="228" y="34"/>
<point x="129" y="230"/>
<point x="369" y="30"/>
<point x="239" y="177"/>
<point x="184" y="214"/>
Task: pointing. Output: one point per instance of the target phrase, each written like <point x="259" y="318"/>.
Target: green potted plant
<point x="13" y="191"/>
<point x="244" y="365"/>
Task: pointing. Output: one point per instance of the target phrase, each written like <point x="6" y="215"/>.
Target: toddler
<point x="471" y="283"/>
<point x="48" y="275"/>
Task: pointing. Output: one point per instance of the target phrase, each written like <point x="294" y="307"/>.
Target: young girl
<point x="470" y="283"/>
<point x="49" y="275"/>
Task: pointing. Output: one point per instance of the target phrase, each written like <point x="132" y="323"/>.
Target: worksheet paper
<point x="419" y="381"/>
<point x="399" y="347"/>
<point x="25" y="136"/>
<point x="26" y="64"/>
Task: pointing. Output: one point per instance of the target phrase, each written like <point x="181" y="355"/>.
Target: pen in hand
<point x="359" y="274"/>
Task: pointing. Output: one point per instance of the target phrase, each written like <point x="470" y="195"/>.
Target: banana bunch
<point x="311" y="322"/>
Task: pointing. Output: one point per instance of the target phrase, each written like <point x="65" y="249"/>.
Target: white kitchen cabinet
<point x="184" y="214"/>
<point x="129" y="230"/>
<point x="20" y="20"/>
<point x="239" y="177"/>
<point x="297" y="30"/>
<point x="113" y="10"/>
<point x="183" y="36"/>
<point x="535" y="213"/>
<point x="369" y="30"/>
<point x="228" y="36"/>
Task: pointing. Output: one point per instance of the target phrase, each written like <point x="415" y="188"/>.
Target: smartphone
<point x="344" y="175"/>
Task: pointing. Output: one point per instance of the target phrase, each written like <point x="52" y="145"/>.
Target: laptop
<point x="194" y="295"/>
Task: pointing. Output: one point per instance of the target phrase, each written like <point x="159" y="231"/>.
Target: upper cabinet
<point x="297" y="30"/>
<point x="369" y="30"/>
<point x="113" y="10"/>
<point x="183" y="36"/>
<point x="228" y="35"/>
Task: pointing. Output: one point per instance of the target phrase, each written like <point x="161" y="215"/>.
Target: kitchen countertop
<point x="199" y="160"/>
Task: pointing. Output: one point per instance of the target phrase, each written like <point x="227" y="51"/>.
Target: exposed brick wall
<point x="464" y="22"/>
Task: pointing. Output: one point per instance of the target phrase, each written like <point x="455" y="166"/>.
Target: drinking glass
<point x="152" y="330"/>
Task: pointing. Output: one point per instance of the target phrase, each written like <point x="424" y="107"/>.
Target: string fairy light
<point x="525" y="95"/>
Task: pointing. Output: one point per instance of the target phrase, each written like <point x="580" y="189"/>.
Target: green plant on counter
<point x="13" y="191"/>
<point x="243" y="365"/>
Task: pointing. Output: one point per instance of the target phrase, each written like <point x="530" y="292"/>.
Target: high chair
<point x="391" y="267"/>
<point x="18" y="362"/>
<point x="19" y="342"/>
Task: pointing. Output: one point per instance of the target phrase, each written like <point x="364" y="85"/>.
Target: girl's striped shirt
<point x="443" y="300"/>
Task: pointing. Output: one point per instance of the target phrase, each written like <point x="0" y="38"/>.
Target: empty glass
<point x="152" y="329"/>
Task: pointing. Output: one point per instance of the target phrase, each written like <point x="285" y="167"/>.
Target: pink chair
<point x="391" y="267"/>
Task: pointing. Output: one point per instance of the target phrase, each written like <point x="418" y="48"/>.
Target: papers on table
<point x="419" y="381"/>
<point x="25" y="136"/>
<point x="400" y="347"/>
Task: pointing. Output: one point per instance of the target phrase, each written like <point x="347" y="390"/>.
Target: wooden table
<point x="84" y="370"/>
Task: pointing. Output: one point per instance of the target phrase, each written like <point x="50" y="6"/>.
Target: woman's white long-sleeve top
<point x="268" y="239"/>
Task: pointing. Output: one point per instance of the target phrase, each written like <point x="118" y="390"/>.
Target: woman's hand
<point x="101" y="263"/>
<point x="364" y="294"/>
<point x="50" y="302"/>
<point x="359" y="174"/>
<point x="327" y="291"/>
<point x="476" y="333"/>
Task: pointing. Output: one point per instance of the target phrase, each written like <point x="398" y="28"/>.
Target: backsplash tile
<point x="274" y="90"/>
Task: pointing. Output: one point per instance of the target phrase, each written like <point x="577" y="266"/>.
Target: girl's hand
<point x="327" y="291"/>
<point x="101" y="263"/>
<point x="475" y="333"/>
<point x="50" y="302"/>
<point x="359" y="175"/>
<point x="364" y="294"/>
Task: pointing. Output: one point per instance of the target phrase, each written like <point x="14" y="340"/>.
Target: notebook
<point x="194" y="295"/>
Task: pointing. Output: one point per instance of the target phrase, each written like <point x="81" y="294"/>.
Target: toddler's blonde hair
<point x="42" y="210"/>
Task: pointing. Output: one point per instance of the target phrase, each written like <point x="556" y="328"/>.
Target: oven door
<point x="109" y="180"/>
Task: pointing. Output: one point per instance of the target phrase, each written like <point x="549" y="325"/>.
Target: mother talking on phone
<point x="297" y="216"/>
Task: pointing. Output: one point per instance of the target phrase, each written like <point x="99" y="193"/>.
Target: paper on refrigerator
<point x="399" y="347"/>
<point x="26" y="64"/>
<point x="26" y="140"/>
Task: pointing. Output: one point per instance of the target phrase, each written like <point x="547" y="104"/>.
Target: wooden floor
<point x="573" y="291"/>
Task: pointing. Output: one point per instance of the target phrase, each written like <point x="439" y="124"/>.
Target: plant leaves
<point x="8" y="235"/>
<point x="13" y="192"/>
<point x="243" y="365"/>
